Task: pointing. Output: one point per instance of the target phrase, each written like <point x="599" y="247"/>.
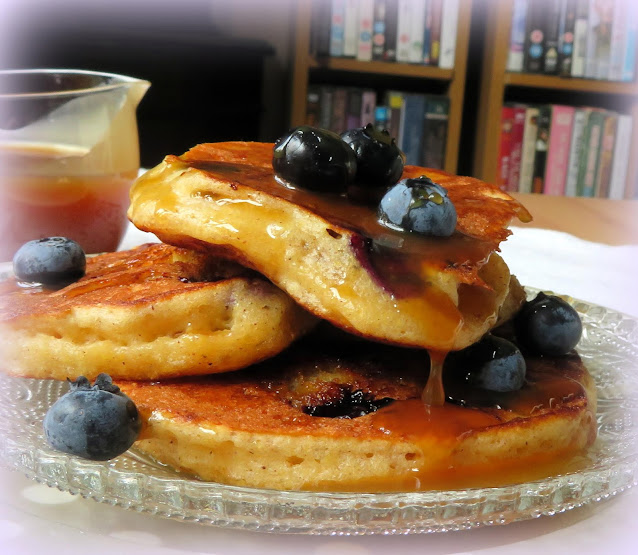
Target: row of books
<point x="563" y="150"/>
<point x="417" y="121"/>
<point x="593" y="39"/>
<point x="409" y="31"/>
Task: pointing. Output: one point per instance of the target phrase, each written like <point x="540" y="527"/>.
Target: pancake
<point x="331" y="255"/>
<point x="292" y="423"/>
<point x="151" y="312"/>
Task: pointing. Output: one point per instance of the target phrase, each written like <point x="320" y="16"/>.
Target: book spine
<point x="505" y="147"/>
<point x="603" y="178"/>
<point x="618" y="37"/>
<point x="404" y="27"/>
<point x="603" y="38"/>
<point x="516" y="150"/>
<point x="351" y="28"/>
<point x="337" y="27"/>
<point x="631" y="43"/>
<point x="313" y="107"/>
<point x="529" y="149"/>
<point x="558" y="150"/>
<point x="339" y="110"/>
<point x="417" y="30"/>
<point x="353" y="109"/>
<point x="394" y="101"/>
<point x="591" y="61"/>
<point x="364" y="44"/>
<point x="515" y="55"/>
<point x="381" y="114"/>
<point x="590" y="155"/>
<point x="449" y="25"/>
<point x="390" y="44"/>
<point x="621" y="157"/>
<point x="566" y="37"/>
<point x="535" y="37"/>
<point x="325" y="110"/>
<point x="581" y="25"/>
<point x="542" y="144"/>
<point x="437" y="109"/>
<point x="426" y="33"/>
<point x="552" y="37"/>
<point x="412" y="118"/>
<point x="368" y="106"/>
<point x="435" y="33"/>
<point x="575" y="147"/>
<point x="379" y="29"/>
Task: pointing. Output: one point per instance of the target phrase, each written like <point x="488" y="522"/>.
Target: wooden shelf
<point x="539" y="81"/>
<point x="382" y="68"/>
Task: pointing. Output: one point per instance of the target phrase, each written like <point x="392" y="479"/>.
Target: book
<point x="417" y="30"/>
<point x="412" y="117"/>
<point x="606" y="156"/>
<point x="449" y="25"/>
<point x="528" y="150"/>
<point x="621" y="157"/>
<point x="313" y="108"/>
<point x="541" y="144"/>
<point x="552" y="37"/>
<point x="631" y="43"/>
<point x="435" y="125"/>
<point x="379" y="29"/>
<point x="618" y="37"/>
<point x="515" y="54"/>
<point x="516" y="148"/>
<point x="337" y="27"/>
<point x="505" y="147"/>
<point x="560" y="134"/>
<point x="394" y="102"/>
<point x="581" y="26"/>
<point x="576" y="144"/>
<point x="599" y="39"/>
<point x="404" y="30"/>
<point x="589" y="156"/>
<point x="326" y="96"/>
<point x="390" y="44"/>
<point x="351" y="28"/>
<point x="364" y="43"/>
<point x="381" y="118"/>
<point x="436" y="16"/>
<point x="535" y="37"/>
<point x="426" y="53"/>
<point x="566" y="36"/>
<point x="339" y="110"/>
<point x="353" y="108"/>
<point x="368" y="106"/>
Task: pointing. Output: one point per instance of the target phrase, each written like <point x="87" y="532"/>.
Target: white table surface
<point x="37" y="519"/>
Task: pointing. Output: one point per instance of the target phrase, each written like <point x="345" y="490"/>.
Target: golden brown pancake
<point x="331" y="255"/>
<point x="151" y="312"/>
<point x="292" y="423"/>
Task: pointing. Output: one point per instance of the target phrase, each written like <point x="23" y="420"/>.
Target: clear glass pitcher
<point x="69" y="151"/>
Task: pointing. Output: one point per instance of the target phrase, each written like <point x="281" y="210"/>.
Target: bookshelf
<point x="452" y="81"/>
<point x="496" y="83"/>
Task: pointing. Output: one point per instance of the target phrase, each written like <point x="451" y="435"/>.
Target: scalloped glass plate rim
<point x="132" y="482"/>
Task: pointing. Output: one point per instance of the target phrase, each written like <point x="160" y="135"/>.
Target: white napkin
<point x="552" y="260"/>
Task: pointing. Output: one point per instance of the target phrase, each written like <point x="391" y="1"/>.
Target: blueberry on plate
<point x="379" y="160"/>
<point x="94" y="422"/>
<point x="52" y="261"/>
<point x="548" y="325"/>
<point x="418" y="205"/>
<point x="315" y="159"/>
<point x="492" y="364"/>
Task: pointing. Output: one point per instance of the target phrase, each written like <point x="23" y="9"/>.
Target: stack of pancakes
<point x="281" y="338"/>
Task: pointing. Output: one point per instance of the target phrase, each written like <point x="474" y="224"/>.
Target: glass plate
<point x="609" y="348"/>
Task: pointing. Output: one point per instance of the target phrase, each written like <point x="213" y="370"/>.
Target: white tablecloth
<point x="38" y="519"/>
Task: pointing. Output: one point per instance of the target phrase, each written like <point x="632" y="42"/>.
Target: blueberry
<point x="548" y="325"/>
<point x="379" y="160"/>
<point x="418" y="205"/>
<point x="493" y="364"/>
<point x="314" y="159"/>
<point x="94" y="422"/>
<point x="53" y="261"/>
